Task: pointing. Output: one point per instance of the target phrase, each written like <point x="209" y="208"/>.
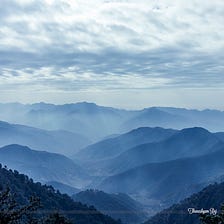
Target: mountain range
<point x="86" y="119"/>
<point x="188" y="142"/>
<point x="127" y="151"/>
<point x="150" y="170"/>
<point x="137" y="159"/>
<point x="95" y="122"/>
<point x="168" y="182"/>
<point x="112" y="147"/>
<point x="185" y="160"/>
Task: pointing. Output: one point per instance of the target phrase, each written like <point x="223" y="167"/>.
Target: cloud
<point x="111" y="44"/>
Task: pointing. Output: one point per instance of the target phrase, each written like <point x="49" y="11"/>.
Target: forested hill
<point x="210" y="197"/>
<point x="24" y="188"/>
<point x="118" y="206"/>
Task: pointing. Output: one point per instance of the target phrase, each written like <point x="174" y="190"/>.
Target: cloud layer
<point x="102" y="45"/>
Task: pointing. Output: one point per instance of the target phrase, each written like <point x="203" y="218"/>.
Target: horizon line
<point x="112" y="107"/>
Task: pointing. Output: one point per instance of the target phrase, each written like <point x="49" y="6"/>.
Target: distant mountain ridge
<point x="87" y="119"/>
<point x="96" y="122"/>
<point x="155" y="117"/>
<point x="63" y="142"/>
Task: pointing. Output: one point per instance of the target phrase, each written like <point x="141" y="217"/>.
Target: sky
<point x="121" y="53"/>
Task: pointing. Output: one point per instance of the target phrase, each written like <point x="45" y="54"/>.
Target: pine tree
<point x="11" y="212"/>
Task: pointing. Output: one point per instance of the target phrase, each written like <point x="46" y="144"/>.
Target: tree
<point x="11" y="212"/>
<point x="213" y="219"/>
<point x="56" y="218"/>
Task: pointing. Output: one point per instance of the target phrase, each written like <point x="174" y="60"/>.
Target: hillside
<point x="24" y="188"/>
<point x="188" y="142"/>
<point x="114" y="146"/>
<point x="63" y="188"/>
<point x="63" y="142"/>
<point x="220" y="135"/>
<point x="118" y="206"/>
<point x="43" y="166"/>
<point x="169" y="181"/>
<point x="210" y="197"/>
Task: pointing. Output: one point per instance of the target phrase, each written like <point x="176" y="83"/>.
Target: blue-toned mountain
<point x="113" y="147"/>
<point x="43" y="166"/>
<point x="63" y="142"/>
<point x="118" y="206"/>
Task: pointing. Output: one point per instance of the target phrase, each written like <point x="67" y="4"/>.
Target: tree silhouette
<point x="11" y="212"/>
<point x="56" y="218"/>
<point x="213" y="219"/>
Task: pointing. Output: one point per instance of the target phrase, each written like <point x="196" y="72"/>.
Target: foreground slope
<point x="118" y="206"/>
<point x="24" y="188"/>
<point x="63" y="188"/>
<point x="210" y="197"/>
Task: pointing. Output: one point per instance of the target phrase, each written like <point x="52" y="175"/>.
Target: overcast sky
<point x="122" y="53"/>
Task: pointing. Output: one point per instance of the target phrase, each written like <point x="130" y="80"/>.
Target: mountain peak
<point x="4" y="124"/>
<point x="87" y="103"/>
<point x="195" y="134"/>
<point x="195" y="130"/>
<point x="16" y="147"/>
